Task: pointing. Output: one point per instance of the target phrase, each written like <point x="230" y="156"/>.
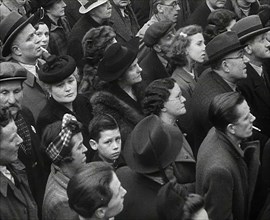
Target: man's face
<point x="215" y="4"/>
<point x="170" y="10"/>
<point x="115" y="206"/>
<point x="9" y="143"/>
<point x="260" y="47"/>
<point x="121" y="3"/>
<point x="103" y="11"/>
<point x="78" y="151"/>
<point x="235" y="62"/>
<point x="109" y="145"/>
<point x="165" y="42"/>
<point x="57" y="10"/>
<point x="11" y="95"/>
<point x="27" y="45"/>
<point x="243" y="126"/>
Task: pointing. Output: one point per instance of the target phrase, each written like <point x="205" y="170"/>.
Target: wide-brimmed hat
<point x="249" y="27"/>
<point x="10" y="27"/>
<point x="56" y="69"/>
<point x="152" y="145"/>
<point x="222" y="45"/>
<point x="88" y="5"/>
<point x="10" y="71"/>
<point x="117" y="59"/>
<point x="156" y="31"/>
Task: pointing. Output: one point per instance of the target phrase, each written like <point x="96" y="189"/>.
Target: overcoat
<point x="226" y="176"/>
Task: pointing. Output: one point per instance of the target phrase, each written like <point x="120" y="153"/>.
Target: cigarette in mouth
<point x="255" y="128"/>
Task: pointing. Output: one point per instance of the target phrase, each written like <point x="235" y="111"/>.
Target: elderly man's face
<point x="9" y="143"/>
<point x="103" y="11"/>
<point x="165" y="42"/>
<point x="121" y="3"/>
<point x="217" y="3"/>
<point x="11" y="95"/>
<point x="57" y="10"/>
<point x="27" y="45"/>
<point x="260" y="46"/>
<point x="169" y="10"/>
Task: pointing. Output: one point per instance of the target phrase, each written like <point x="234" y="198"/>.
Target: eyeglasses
<point x="174" y="4"/>
<point x="240" y="56"/>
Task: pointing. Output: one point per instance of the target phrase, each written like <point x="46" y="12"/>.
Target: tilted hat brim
<point x="223" y="53"/>
<point x="84" y="10"/>
<point x="7" y="43"/>
<point x="20" y="78"/>
<point x="140" y="136"/>
<point x="247" y="36"/>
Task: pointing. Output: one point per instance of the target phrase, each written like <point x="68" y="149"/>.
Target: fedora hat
<point x="222" y="45"/>
<point x="88" y="5"/>
<point x="12" y="71"/>
<point x="117" y="59"/>
<point x="152" y="145"/>
<point x="249" y="27"/>
<point x="10" y="27"/>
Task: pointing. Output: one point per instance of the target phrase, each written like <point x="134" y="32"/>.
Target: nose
<point x="252" y="118"/>
<point x="20" y="140"/>
<point x="64" y="4"/>
<point x="183" y="99"/>
<point x="115" y="145"/>
<point x="67" y="87"/>
<point x="109" y="6"/>
<point x="124" y="191"/>
<point x="245" y="59"/>
<point x="11" y="98"/>
<point x="84" y="149"/>
<point x="139" y="68"/>
<point x="178" y="7"/>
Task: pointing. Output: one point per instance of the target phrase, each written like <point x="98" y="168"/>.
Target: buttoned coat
<point x="226" y="176"/>
<point x="257" y="96"/>
<point x="16" y="200"/>
<point x="208" y="86"/>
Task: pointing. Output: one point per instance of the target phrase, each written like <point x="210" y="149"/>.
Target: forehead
<point x="168" y="2"/>
<point x="115" y="183"/>
<point x="8" y="131"/>
<point x="10" y="85"/>
<point x="109" y="133"/>
<point x="43" y="27"/>
<point x="77" y="139"/>
<point x="242" y="110"/>
<point x="25" y="32"/>
<point x="196" y="37"/>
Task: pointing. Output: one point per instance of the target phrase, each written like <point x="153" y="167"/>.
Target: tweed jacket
<point x="257" y="96"/>
<point x="55" y="203"/>
<point x="16" y="200"/>
<point x="124" y="30"/>
<point x="226" y="176"/>
<point x="208" y="86"/>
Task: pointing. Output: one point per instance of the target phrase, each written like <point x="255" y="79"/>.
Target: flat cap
<point x="10" y="71"/>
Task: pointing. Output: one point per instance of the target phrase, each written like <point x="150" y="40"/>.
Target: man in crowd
<point x="15" y="196"/>
<point x="12" y="76"/>
<point x="95" y="192"/>
<point x="63" y="143"/>
<point x="227" y="169"/>
<point x="227" y="61"/>
<point x="124" y="21"/>
<point x="94" y="14"/>
<point x="158" y="38"/>
<point x="21" y="42"/>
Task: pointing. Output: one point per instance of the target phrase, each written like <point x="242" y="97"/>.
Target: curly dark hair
<point x="156" y="94"/>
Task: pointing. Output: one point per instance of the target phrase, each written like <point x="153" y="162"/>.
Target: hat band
<point x="15" y="25"/>
<point x="224" y="52"/>
<point x="89" y="3"/>
<point x="251" y="29"/>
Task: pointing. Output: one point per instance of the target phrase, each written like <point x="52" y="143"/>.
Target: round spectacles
<point x="174" y="4"/>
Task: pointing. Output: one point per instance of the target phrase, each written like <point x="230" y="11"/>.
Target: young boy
<point x="105" y="138"/>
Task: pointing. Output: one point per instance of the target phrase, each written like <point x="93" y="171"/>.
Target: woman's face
<point x="175" y="106"/>
<point x="43" y="33"/>
<point x="133" y="74"/>
<point x="196" y="49"/>
<point x="65" y="91"/>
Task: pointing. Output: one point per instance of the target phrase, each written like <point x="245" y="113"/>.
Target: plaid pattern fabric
<point x="24" y="133"/>
<point x="56" y="148"/>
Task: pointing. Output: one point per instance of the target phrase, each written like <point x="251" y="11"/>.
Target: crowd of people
<point x="134" y="109"/>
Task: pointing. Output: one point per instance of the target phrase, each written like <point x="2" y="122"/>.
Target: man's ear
<point x="230" y="129"/>
<point x="159" y="8"/>
<point x="100" y="213"/>
<point x="157" y="48"/>
<point x="93" y="144"/>
<point x="16" y="50"/>
<point x="248" y="49"/>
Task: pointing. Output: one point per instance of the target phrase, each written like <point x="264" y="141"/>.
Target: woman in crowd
<point x="119" y="72"/>
<point x="187" y="50"/>
<point x="163" y="98"/>
<point x="94" y="44"/>
<point x="59" y="76"/>
<point x="42" y="31"/>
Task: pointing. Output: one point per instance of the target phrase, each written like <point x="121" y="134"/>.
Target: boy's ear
<point x="100" y="213"/>
<point x="93" y="144"/>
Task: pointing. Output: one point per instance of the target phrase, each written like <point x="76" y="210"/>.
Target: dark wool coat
<point x="257" y="96"/>
<point x="208" y="86"/>
<point x="233" y="6"/>
<point x="141" y="9"/>
<point x="121" y="107"/>
<point x="54" y="111"/>
<point x="124" y="30"/>
<point x="226" y="176"/>
<point x="16" y="201"/>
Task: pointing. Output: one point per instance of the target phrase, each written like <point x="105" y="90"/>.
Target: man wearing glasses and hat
<point x="228" y="66"/>
<point x="21" y="42"/>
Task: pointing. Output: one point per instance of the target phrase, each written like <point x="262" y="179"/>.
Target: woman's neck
<point x="167" y="119"/>
<point x="190" y="65"/>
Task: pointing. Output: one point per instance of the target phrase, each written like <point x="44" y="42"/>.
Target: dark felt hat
<point x="10" y="27"/>
<point x="56" y="69"/>
<point x="117" y="59"/>
<point x="10" y="71"/>
<point x="249" y="27"/>
<point x="47" y="3"/>
<point x="157" y="31"/>
<point x="221" y="45"/>
<point x="152" y="145"/>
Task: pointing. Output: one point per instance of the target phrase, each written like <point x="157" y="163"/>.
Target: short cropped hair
<point x="99" y="123"/>
<point x="5" y="118"/>
<point x="156" y="94"/>
<point x="223" y="109"/>
<point x="89" y="189"/>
